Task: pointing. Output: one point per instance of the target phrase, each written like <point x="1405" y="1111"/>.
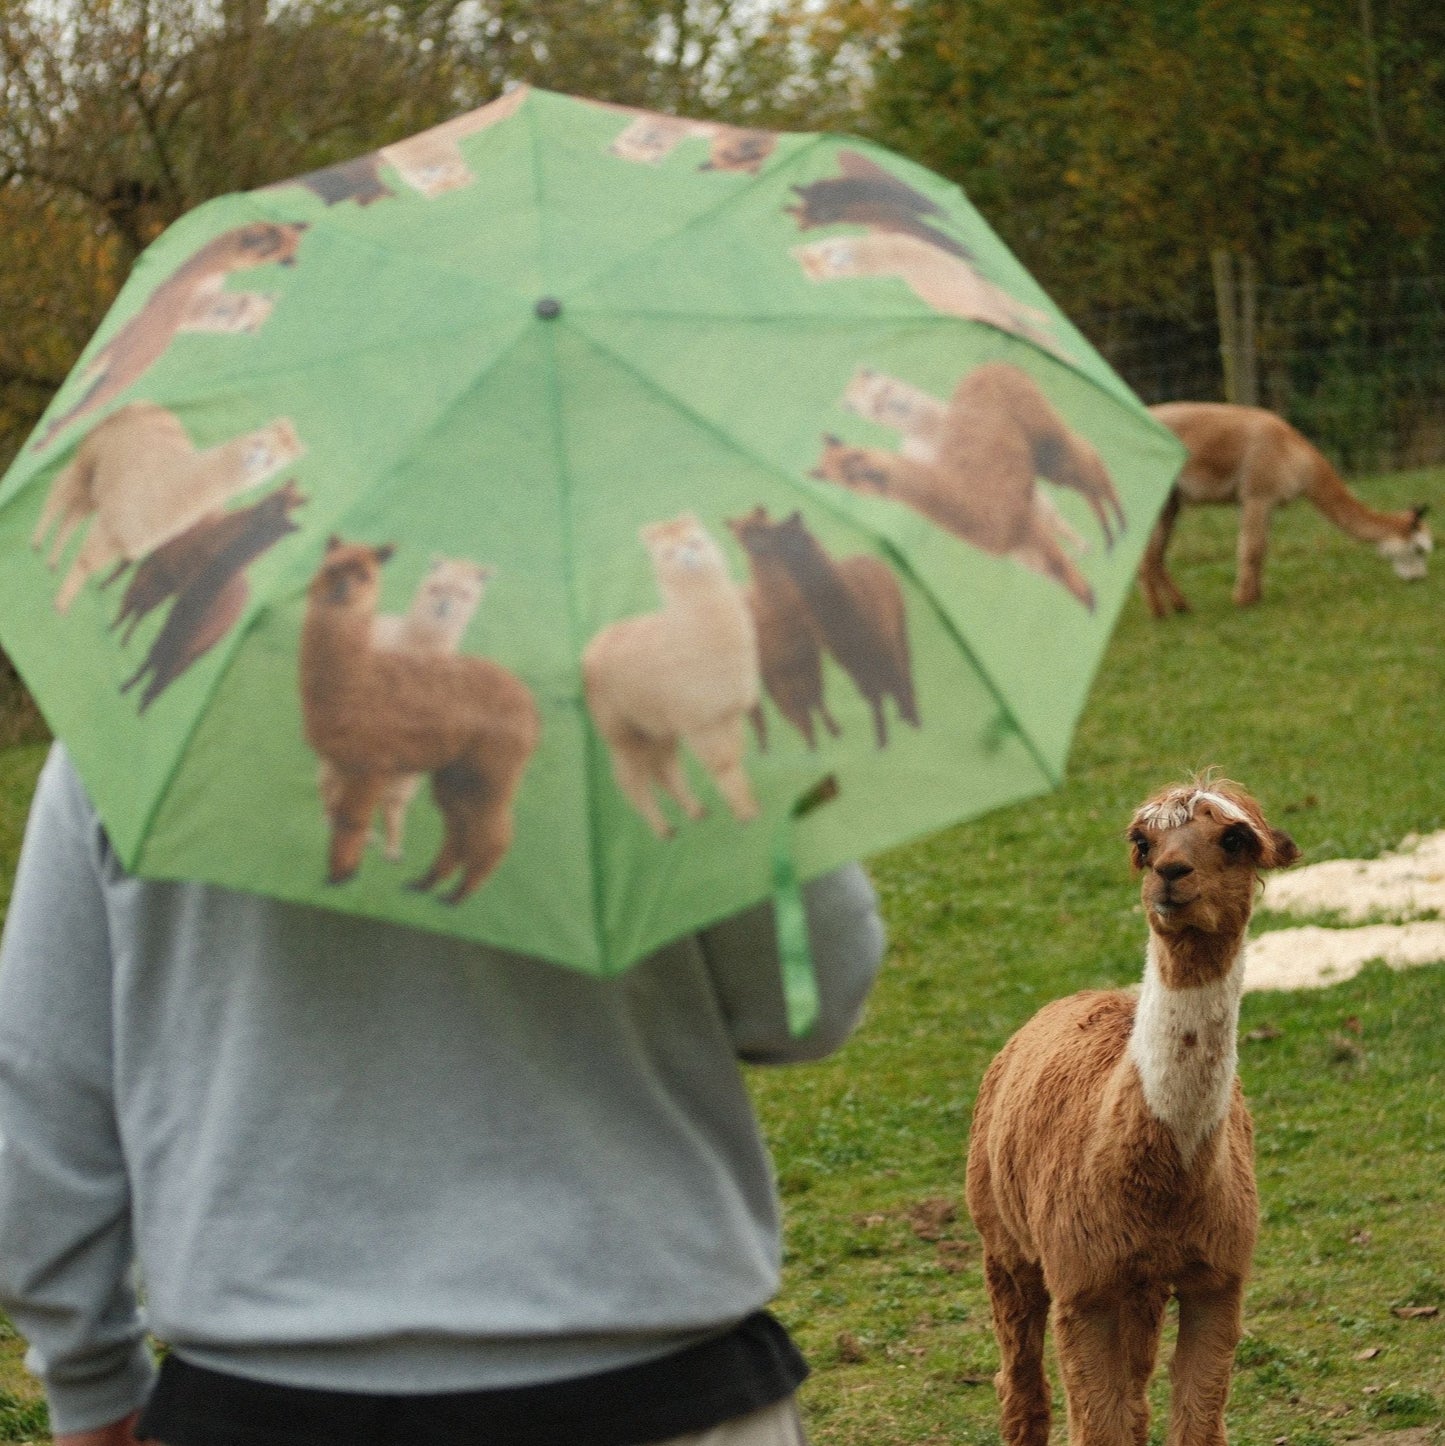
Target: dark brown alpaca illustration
<point x="972" y="471"/>
<point x="356" y="180"/>
<point x="790" y="657"/>
<point x="856" y="608"/>
<point x="210" y="588"/>
<point x="193" y="299"/>
<point x="867" y="195"/>
<point x="171" y="569"/>
<point x="375" y="714"/>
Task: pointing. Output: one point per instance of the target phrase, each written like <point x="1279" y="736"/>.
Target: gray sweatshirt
<point x="344" y="1155"/>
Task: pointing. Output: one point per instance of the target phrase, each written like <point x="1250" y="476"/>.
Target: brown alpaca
<point x="375" y="713"/>
<point x="856" y="609"/>
<point x="193" y="299"/>
<point x="1252" y="457"/>
<point x="790" y="657"/>
<point x="1110" y="1164"/>
<point x="687" y="673"/>
<point x="998" y="434"/>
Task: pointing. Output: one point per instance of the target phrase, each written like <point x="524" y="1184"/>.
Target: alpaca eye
<point x="1141" y="845"/>
<point x="1235" y="840"/>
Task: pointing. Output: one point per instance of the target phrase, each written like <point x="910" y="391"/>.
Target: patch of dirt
<point x="1408" y="881"/>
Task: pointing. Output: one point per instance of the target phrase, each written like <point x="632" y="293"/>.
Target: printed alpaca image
<point x="1255" y="459"/>
<point x="377" y="714"/>
<point x="946" y="282"/>
<point x="432" y="161"/>
<point x="193" y="299"/>
<point x="854" y="605"/>
<point x="687" y="674"/>
<point x="650" y="138"/>
<point x="356" y="180"/>
<point x="790" y="655"/>
<point x="214" y="595"/>
<point x="141" y="482"/>
<point x="444" y="603"/>
<point x="976" y="479"/>
<point x="169" y="570"/>
<point x="1111" y="1157"/>
<point x="867" y="195"/>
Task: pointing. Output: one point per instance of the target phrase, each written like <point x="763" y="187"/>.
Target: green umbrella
<point x="516" y="531"/>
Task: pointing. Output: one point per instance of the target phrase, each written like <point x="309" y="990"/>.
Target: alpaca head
<point x="1407" y="554"/>
<point x="262" y="243"/>
<point x="349" y="578"/>
<point x="849" y="467"/>
<point x="1201" y="847"/>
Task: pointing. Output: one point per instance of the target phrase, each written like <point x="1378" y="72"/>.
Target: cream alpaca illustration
<point x="919" y="418"/>
<point x="651" y="138"/>
<point x="432" y="162"/>
<point x="686" y="674"/>
<point x="376" y="713"/>
<point x="444" y="603"/>
<point x="193" y="299"/>
<point x="142" y="482"/>
<point x="946" y="282"/>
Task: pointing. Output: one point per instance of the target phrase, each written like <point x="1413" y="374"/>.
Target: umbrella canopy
<point x="502" y="532"/>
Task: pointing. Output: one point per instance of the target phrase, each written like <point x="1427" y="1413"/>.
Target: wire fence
<point x="1360" y="370"/>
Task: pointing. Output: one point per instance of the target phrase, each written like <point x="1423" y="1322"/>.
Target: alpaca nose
<point x="1172" y="870"/>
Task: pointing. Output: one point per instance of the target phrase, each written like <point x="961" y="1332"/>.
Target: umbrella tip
<point x="548" y="308"/>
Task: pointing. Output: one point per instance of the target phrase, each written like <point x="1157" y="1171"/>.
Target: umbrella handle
<point x="795" y="955"/>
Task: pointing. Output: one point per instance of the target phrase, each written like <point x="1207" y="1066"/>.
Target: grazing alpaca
<point x="855" y="607"/>
<point x="998" y="434"/>
<point x="140" y="479"/>
<point x="377" y="713"/>
<point x="790" y="657"/>
<point x="1110" y="1163"/>
<point x="939" y="278"/>
<point x="687" y="674"/>
<point x="1251" y="457"/>
<point x="193" y="299"/>
<point x="443" y="605"/>
<point x="210" y="588"/>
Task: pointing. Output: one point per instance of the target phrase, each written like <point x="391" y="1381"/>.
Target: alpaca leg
<point x="1095" y="1359"/>
<point x="829" y="721"/>
<point x="483" y="841"/>
<point x="444" y="865"/>
<point x="880" y="720"/>
<point x="1210" y="1324"/>
<point x="631" y="766"/>
<point x="96" y="552"/>
<point x="720" y="749"/>
<point x="394" y="805"/>
<point x="1020" y="1307"/>
<point x="1254" y="515"/>
<point x="1160" y="593"/>
<point x="759" y="721"/>
<point x="665" y="761"/>
<point x="68" y="523"/>
<point x="356" y="801"/>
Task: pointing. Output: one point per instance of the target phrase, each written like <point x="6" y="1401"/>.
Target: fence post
<point x="1234" y="302"/>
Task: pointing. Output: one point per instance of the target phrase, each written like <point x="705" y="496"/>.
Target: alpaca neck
<point x="1348" y="513"/>
<point x="1184" y="1045"/>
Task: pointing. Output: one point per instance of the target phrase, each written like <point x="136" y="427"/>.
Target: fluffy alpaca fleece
<point x="444" y="603"/>
<point x="686" y="674"/>
<point x="142" y="482"/>
<point x="1110" y="1162"/>
<point x="1251" y="457"/>
<point x="375" y="714"/>
<point x="974" y="473"/>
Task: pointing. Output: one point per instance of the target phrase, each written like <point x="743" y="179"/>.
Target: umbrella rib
<point x="700" y="419"/>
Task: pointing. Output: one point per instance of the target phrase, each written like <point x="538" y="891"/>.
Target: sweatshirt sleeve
<point x="845" y="934"/>
<point x="66" y="1268"/>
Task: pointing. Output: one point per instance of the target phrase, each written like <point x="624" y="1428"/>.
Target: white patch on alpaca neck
<point x="1185" y="1047"/>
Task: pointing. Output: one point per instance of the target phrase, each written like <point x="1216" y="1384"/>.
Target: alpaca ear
<point x="385" y="552"/>
<point x="1418" y="512"/>
<point x="1279" y="850"/>
<point x="333" y="542"/>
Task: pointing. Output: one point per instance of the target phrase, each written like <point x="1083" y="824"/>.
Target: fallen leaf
<point x="870" y="1222"/>
<point x="974" y="1380"/>
<point x="953" y="1255"/>
<point x="1416" y="1312"/>
<point x="1368" y="1354"/>
<point x="850" y="1348"/>
<point x="1353" y="1024"/>
<point x="1281" y="1441"/>
<point x="1373" y="1390"/>
<point x="929" y="1217"/>
<point x="1264" y="1033"/>
<point x="1361" y="1237"/>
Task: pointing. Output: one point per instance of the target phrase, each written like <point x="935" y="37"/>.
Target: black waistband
<point x="746" y="1368"/>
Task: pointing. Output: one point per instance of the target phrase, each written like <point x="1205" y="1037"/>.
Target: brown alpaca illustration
<point x="687" y="674"/>
<point x="377" y="713"/>
<point x="193" y="299"/>
<point x="856" y="608"/>
<point x="171" y="569"/>
<point x="978" y="479"/>
<point x="444" y="603"/>
<point x="140" y="480"/>
<point x="790" y="656"/>
<point x="356" y="180"/>
<point x="652" y="137"/>
<point x="431" y="162"/>
<point x="946" y="282"/>
<point x="867" y="195"/>
<point x="212" y="599"/>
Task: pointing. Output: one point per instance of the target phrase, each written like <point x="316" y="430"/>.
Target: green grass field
<point x="1326" y="702"/>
